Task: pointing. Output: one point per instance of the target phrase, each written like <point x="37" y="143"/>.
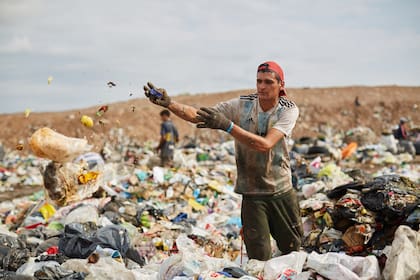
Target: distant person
<point x="356" y="111"/>
<point x="402" y="131"/>
<point x="357" y="102"/>
<point x="260" y="124"/>
<point x="402" y="135"/>
<point x="168" y="138"/>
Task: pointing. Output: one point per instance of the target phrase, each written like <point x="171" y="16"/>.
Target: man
<point x="168" y="138"/>
<point x="401" y="134"/>
<point x="260" y="124"/>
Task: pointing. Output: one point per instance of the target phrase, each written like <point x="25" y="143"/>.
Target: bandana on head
<point x="271" y="66"/>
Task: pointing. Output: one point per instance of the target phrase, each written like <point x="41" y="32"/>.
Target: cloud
<point x="16" y="45"/>
<point x="198" y="46"/>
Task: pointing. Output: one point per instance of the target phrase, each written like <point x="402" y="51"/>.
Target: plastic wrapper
<point x="47" y="143"/>
<point x="63" y="185"/>
<point x="344" y="267"/>
<point x="105" y="269"/>
<point x="284" y="266"/>
<point x="190" y="261"/>
<point x="72" y="182"/>
<point x="82" y="214"/>
<point x="79" y="241"/>
<point x="404" y="259"/>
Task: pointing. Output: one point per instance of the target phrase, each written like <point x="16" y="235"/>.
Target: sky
<point x="197" y="46"/>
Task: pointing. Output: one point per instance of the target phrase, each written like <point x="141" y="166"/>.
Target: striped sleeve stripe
<point x="286" y="103"/>
<point x="249" y="97"/>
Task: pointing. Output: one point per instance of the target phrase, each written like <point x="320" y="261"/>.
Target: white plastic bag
<point x="47" y="143"/>
<point x="190" y="262"/>
<point x="158" y="175"/>
<point x="82" y="214"/>
<point x="344" y="267"/>
<point x="291" y="264"/>
<point x="404" y="259"/>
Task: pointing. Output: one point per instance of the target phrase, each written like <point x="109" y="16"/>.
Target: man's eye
<point x="269" y="82"/>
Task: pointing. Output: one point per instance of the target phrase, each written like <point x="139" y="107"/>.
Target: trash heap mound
<point x="117" y="215"/>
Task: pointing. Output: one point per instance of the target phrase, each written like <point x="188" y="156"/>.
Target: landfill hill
<point x="380" y="107"/>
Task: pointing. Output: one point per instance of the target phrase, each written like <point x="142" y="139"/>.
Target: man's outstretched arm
<point x="184" y="111"/>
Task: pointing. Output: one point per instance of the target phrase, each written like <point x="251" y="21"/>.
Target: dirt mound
<point x="379" y="107"/>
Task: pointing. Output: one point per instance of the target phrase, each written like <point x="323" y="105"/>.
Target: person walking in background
<point x="402" y="135"/>
<point x="260" y="124"/>
<point x="168" y="137"/>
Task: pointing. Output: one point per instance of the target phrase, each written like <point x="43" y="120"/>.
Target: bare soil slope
<point x="380" y="107"/>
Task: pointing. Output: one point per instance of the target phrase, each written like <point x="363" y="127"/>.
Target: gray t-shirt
<point x="268" y="173"/>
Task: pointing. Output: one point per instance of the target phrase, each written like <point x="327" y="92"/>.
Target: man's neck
<point x="268" y="104"/>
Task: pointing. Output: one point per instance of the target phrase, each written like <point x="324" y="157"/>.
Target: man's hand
<point x="163" y="101"/>
<point x="210" y="118"/>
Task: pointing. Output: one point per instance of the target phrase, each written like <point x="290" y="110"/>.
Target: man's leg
<point x="285" y="222"/>
<point x="256" y="230"/>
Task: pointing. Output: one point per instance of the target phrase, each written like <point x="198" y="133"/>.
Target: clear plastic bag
<point x="47" y="143"/>
<point x="72" y="182"/>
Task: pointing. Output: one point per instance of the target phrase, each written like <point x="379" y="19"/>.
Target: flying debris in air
<point x="131" y="94"/>
<point x="111" y="84"/>
<point x="50" y="78"/>
<point x="27" y="113"/>
<point x="102" y="110"/>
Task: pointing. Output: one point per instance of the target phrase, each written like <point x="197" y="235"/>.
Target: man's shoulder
<point x="286" y="103"/>
<point x="166" y="124"/>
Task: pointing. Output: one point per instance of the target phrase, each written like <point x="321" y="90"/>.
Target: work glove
<point x="163" y="100"/>
<point x="210" y="118"/>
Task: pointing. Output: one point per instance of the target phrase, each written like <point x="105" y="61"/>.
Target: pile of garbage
<point x="118" y="215"/>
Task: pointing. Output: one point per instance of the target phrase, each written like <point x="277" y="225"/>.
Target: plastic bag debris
<point x="82" y="214"/>
<point x="195" y="201"/>
<point x="348" y="150"/>
<point x="102" y="110"/>
<point x="284" y="266"/>
<point x="47" y="211"/>
<point x="79" y="241"/>
<point x="403" y="262"/>
<point x="344" y="267"/>
<point x="64" y="185"/>
<point x="47" y="143"/>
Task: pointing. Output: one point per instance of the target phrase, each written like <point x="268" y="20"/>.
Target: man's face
<point x="268" y="87"/>
<point x="164" y="118"/>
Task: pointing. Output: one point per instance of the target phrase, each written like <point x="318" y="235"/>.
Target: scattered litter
<point x="86" y="121"/>
<point x="117" y="214"/>
<point x="27" y="112"/>
<point x="102" y="110"/>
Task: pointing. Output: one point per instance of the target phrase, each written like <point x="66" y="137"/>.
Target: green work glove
<point x="163" y="100"/>
<point x="210" y="118"/>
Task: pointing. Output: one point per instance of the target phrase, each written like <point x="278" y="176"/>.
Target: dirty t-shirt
<point x="262" y="173"/>
<point x="170" y="134"/>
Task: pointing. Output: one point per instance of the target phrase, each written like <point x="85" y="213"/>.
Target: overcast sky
<point x="197" y="46"/>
